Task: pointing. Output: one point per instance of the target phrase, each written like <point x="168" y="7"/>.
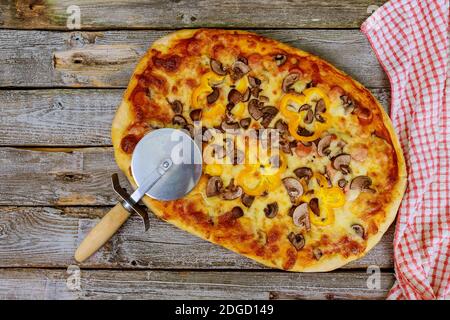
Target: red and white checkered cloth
<point x="410" y="39"/>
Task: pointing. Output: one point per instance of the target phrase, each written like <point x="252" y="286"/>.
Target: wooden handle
<point x="102" y="232"/>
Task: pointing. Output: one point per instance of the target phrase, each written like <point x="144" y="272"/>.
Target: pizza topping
<point x="303" y="172"/>
<point x="239" y="69"/>
<point x="254" y="82"/>
<point x="217" y="67"/>
<point x="281" y="126"/>
<point x="347" y="103"/>
<point x="317" y="253"/>
<point x="177" y="106"/>
<point x="213" y="96"/>
<point x="280" y="59"/>
<point x="179" y="120"/>
<point x="196" y="114"/>
<point x="297" y="240"/>
<point x="342" y="183"/>
<point x="364" y="114"/>
<point x="289" y="80"/>
<point x="229" y="125"/>
<point x="300" y="216"/>
<point x="254" y="110"/>
<point x="245" y="123"/>
<point x="247" y="200"/>
<point x="323" y="145"/>
<point x="303" y="132"/>
<point x="320" y="108"/>
<point x="246" y="95"/>
<point x="293" y="187"/>
<point x="128" y="143"/>
<point x="285" y="146"/>
<point x="214" y="186"/>
<point x="309" y="117"/>
<point x="269" y="113"/>
<point x="271" y="210"/>
<point x="359" y="229"/>
<point x="237" y="212"/>
<point x="314" y="205"/>
<point x="362" y="183"/>
<point x="231" y="191"/>
<point x="342" y="163"/>
<point x="234" y="96"/>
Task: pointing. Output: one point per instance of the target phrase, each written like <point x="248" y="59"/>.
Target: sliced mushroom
<point x="304" y="132"/>
<point x="196" y="114"/>
<point x="269" y="113"/>
<point x="242" y="59"/>
<point x="359" y="229"/>
<point x="304" y="107"/>
<point x="342" y="163"/>
<point x="254" y="110"/>
<point x="348" y="104"/>
<point x="314" y="205"/>
<point x="323" y="145"/>
<point x="285" y="146"/>
<point x="214" y="186"/>
<point x="297" y="240"/>
<point x="177" y="106"/>
<point x="247" y="200"/>
<point x="342" y="183"/>
<point x="263" y="99"/>
<point x="213" y="96"/>
<point x="300" y="216"/>
<point x="217" y="67"/>
<point x="309" y="117"/>
<point x="280" y="59"/>
<point x="234" y="96"/>
<point x="303" y="172"/>
<point x="190" y="129"/>
<point x="320" y="108"/>
<point x="245" y="123"/>
<point x="179" y="120"/>
<point x="255" y="91"/>
<point x="362" y="183"/>
<point x="231" y="191"/>
<point x="254" y="82"/>
<point x="317" y="253"/>
<point x="225" y="125"/>
<point x="281" y="126"/>
<point x="239" y="69"/>
<point x="246" y="95"/>
<point x="289" y="80"/>
<point x="271" y="210"/>
<point x="237" y="212"/>
<point x="293" y="187"/>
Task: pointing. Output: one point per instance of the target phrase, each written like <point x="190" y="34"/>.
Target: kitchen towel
<point x="410" y="40"/>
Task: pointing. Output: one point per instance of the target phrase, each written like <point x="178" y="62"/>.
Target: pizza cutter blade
<point x="166" y="165"/>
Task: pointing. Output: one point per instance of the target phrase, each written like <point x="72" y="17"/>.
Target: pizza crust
<point x="124" y="117"/>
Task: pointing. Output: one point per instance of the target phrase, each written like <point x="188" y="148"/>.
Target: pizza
<point x="332" y="181"/>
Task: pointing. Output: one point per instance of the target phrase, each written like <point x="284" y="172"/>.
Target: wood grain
<point x="99" y="284"/>
<point x="66" y="117"/>
<point x="107" y="59"/>
<point x="48" y="236"/>
<point x="117" y="14"/>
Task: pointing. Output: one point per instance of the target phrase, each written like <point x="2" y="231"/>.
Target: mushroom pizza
<point x="331" y="176"/>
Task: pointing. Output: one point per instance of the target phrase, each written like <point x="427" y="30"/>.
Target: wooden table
<point x="59" y="91"/>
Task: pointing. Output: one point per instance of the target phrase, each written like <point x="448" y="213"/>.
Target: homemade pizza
<point x="302" y="169"/>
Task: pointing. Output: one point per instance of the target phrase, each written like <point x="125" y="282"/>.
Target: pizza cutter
<point x="166" y="165"/>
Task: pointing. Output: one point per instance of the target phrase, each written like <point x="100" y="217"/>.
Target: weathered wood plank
<point x="66" y="117"/>
<point x="107" y="59"/>
<point x="48" y="237"/>
<point x="96" y="284"/>
<point x="32" y="14"/>
<point x="57" y="177"/>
